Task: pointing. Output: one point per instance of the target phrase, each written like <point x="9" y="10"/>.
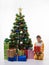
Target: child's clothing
<point x="38" y="50"/>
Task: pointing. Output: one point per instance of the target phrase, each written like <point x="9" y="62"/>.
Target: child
<point x="39" y="49"/>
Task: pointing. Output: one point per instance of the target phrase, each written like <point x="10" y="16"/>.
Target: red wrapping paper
<point x="37" y="49"/>
<point x="26" y="53"/>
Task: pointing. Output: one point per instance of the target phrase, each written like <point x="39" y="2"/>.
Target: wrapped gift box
<point x="22" y="58"/>
<point x="21" y="52"/>
<point x="11" y="52"/>
<point x="26" y="53"/>
<point x="12" y="59"/>
<point x="14" y="50"/>
<point x="30" y="54"/>
<point x="37" y="49"/>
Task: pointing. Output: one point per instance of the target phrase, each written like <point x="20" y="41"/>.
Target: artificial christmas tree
<point x="19" y="37"/>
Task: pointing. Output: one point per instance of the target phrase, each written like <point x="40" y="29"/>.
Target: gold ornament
<point x="21" y="42"/>
<point x="21" y="31"/>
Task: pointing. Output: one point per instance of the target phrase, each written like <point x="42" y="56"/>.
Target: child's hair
<point x="38" y="36"/>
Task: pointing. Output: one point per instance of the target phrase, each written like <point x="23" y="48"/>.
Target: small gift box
<point x="22" y="58"/>
<point x="37" y="49"/>
<point x="26" y="53"/>
<point x="30" y="54"/>
<point x="11" y="52"/>
<point x="21" y="52"/>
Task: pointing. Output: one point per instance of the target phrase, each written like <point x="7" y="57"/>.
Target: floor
<point x="29" y="62"/>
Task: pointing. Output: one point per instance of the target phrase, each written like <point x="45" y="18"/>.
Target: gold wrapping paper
<point x="11" y="52"/>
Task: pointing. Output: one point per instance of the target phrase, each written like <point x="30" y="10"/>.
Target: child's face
<point x="38" y="39"/>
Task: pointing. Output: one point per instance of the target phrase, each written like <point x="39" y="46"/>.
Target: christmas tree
<point x="19" y="37"/>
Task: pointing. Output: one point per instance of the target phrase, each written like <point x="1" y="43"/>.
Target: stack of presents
<point x="21" y="55"/>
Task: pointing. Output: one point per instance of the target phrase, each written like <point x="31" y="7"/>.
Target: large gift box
<point x="12" y="58"/>
<point x="11" y="53"/>
<point x="22" y="58"/>
<point x="37" y="49"/>
<point x="30" y="54"/>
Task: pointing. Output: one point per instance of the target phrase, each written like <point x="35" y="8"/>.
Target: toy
<point x="39" y="48"/>
<point x="38" y="52"/>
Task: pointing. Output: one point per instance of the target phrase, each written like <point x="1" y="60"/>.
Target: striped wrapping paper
<point x="11" y="52"/>
<point x="30" y="54"/>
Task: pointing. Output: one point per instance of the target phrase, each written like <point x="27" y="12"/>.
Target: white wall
<point x="36" y="15"/>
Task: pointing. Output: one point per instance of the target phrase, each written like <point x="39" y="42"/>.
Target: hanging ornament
<point x="17" y="30"/>
<point x="17" y="26"/>
<point x="21" y="32"/>
<point x="13" y="41"/>
<point x="22" y="36"/>
<point x="9" y="41"/>
<point x="25" y="28"/>
<point x="25" y="39"/>
<point x="21" y="42"/>
<point x="17" y="38"/>
<point x="17" y="41"/>
<point x="21" y="25"/>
